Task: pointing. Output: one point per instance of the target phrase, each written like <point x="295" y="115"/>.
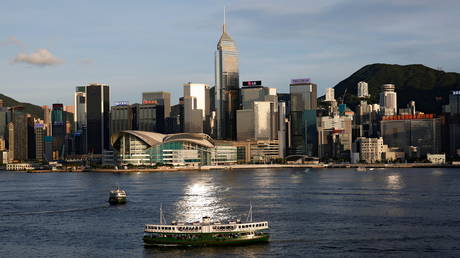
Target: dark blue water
<point x="316" y="212"/>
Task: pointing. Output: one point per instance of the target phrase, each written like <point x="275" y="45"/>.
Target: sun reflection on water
<point x="394" y="182"/>
<point x="201" y="199"/>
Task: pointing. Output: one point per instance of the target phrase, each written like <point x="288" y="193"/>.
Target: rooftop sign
<point x="301" y="81"/>
<point x="122" y="103"/>
<point x="252" y="83"/>
<point x="149" y="102"/>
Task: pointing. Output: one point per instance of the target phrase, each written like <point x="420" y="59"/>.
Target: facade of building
<point x="40" y="133"/>
<point x="303" y="118"/>
<point x="193" y="117"/>
<point x="452" y="111"/>
<point x="80" y="121"/>
<point x="330" y="96"/>
<point x="47" y="119"/>
<point x="436" y="158"/>
<point x="259" y="93"/>
<point x="161" y="98"/>
<point x="283" y="129"/>
<point x="58" y="128"/>
<point x="224" y="154"/>
<point x="227" y="91"/>
<point x="150" y="148"/>
<point x="175" y="123"/>
<point x="201" y="93"/>
<point x="258" y="123"/>
<point x="18" y="139"/>
<point x="149" y="117"/>
<point x="97" y="118"/>
<point x="262" y="151"/>
<point x="3" y="121"/>
<point x="362" y="90"/>
<point x="388" y="100"/>
<point x="121" y="118"/>
<point x="415" y="135"/>
<point x="334" y="137"/>
<point x="371" y="149"/>
<point x="258" y="118"/>
<point x="196" y="107"/>
<point x="143" y="117"/>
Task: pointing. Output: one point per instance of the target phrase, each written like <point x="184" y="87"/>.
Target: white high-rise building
<point x="362" y="90"/>
<point x="197" y="90"/>
<point x="195" y="106"/>
<point x="330" y="94"/>
<point x="388" y="100"/>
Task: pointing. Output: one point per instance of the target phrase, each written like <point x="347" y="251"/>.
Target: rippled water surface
<point x="312" y="212"/>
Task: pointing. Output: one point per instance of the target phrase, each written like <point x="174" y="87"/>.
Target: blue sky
<point x="49" y="47"/>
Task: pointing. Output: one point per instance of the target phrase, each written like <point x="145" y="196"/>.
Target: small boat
<point x="361" y="169"/>
<point x="117" y="196"/>
<point x="206" y="232"/>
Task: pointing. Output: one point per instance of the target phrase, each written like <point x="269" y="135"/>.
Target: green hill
<point x="429" y="88"/>
<point x="34" y="110"/>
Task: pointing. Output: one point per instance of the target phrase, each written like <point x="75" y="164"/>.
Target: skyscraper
<point x="304" y="136"/>
<point x="97" y="118"/>
<point x="227" y="86"/>
<point x="388" y="100"/>
<point x="362" y="90"/>
<point x="39" y="130"/>
<point x="330" y="94"/>
<point x="59" y="130"/>
<point x="161" y="98"/>
<point x="80" y="120"/>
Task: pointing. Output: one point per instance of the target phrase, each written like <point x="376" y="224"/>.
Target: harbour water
<point x="312" y="212"/>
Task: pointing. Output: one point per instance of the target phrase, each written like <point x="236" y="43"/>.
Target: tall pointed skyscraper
<point x="227" y="86"/>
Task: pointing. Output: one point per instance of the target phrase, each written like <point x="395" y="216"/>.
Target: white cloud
<point x="41" y="57"/>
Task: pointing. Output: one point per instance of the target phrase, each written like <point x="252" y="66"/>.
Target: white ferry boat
<point x="117" y="196"/>
<point x="205" y="232"/>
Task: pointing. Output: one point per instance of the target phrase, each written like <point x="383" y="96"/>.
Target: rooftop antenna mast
<point x="225" y="19"/>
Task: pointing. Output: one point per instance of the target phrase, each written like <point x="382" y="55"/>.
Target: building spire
<point x="225" y="21"/>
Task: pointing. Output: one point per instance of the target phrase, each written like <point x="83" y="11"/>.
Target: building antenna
<point x="225" y="19"/>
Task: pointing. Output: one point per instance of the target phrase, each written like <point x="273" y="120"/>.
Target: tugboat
<point x="205" y="233"/>
<point x="117" y="196"/>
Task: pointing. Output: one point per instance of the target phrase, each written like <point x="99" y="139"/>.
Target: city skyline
<point x="138" y="48"/>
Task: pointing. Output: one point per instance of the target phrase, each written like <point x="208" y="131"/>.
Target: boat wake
<point x="53" y="211"/>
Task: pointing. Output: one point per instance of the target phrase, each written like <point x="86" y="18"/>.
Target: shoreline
<point x="248" y="166"/>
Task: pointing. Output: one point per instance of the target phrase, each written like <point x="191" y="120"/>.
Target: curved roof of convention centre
<point x="153" y="139"/>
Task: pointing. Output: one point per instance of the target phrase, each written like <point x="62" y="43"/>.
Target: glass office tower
<point x="97" y="118"/>
<point x="227" y="86"/>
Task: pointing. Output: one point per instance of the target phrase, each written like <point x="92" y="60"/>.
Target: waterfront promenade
<point x="252" y="166"/>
